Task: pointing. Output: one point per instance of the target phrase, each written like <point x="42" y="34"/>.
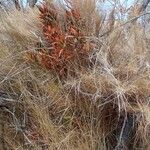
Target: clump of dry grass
<point x="103" y="104"/>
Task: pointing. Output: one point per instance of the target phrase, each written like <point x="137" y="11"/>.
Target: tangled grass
<point x="72" y="79"/>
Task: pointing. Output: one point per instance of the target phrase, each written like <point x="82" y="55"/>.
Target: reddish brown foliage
<point x="63" y="46"/>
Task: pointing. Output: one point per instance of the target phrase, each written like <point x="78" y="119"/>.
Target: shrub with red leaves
<point x="64" y="47"/>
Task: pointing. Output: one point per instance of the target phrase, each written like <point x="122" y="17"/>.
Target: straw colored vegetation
<point x="72" y="78"/>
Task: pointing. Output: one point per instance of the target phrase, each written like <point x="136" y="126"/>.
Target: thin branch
<point x="17" y="5"/>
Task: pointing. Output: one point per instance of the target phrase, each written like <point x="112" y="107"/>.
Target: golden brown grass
<point x="102" y="105"/>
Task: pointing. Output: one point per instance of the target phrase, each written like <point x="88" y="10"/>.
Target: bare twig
<point x="144" y="5"/>
<point x="17" y="5"/>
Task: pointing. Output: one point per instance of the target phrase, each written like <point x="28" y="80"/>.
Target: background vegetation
<point x="74" y="77"/>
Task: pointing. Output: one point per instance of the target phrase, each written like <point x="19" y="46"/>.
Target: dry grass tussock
<point x="73" y="79"/>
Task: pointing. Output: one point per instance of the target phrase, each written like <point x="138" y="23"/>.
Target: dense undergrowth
<point x="72" y="78"/>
